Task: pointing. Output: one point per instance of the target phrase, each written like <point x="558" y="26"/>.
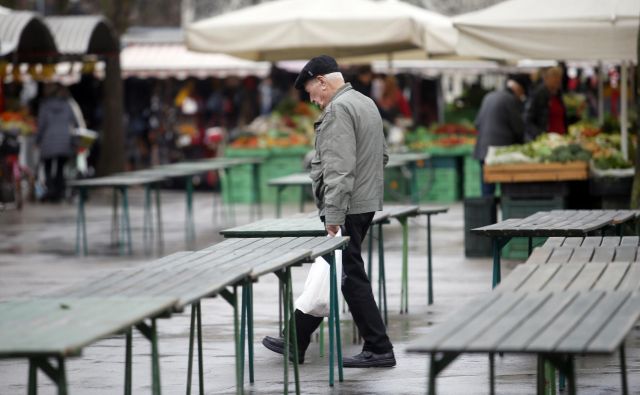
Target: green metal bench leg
<point x="250" y="329"/>
<point x="232" y="299"/>
<point x="382" y="276"/>
<point x="33" y="378"/>
<point x="56" y="373"/>
<point x="301" y="199"/>
<point x="257" y="199"/>
<point x="243" y="327"/>
<point x="287" y="337"/>
<point x="128" y="364"/>
<point x="429" y="263"/>
<point x="190" y="358"/>
<point x="151" y="333"/>
<point x="190" y="231"/>
<point x="81" y="224"/>
<point x="115" y="228"/>
<point x="492" y="374"/>
<point x="159" y="221"/>
<point x="280" y="293"/>
<point x="497" y="244"/>
<point x="332" y="273"/>
<point x="126" y="218"/>
<point x="293" y="339"/>
<point x="147" y="228"/>
<point x="623" y="370"/>
<point x="279" y="201"/>
<point x="337" y="320"/>
<point x="404" y="298"/>
<point x="436" y="366"/>
<point x="321" y="340"/>
<point x="200" y="356"/>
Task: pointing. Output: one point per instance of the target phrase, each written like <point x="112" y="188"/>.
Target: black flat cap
<point x="320" y="65"/>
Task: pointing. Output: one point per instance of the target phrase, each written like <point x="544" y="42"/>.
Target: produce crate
<point x="478" y="212"/>
<point x="396" y="185"/>
<point x="518" y="247"/>
<point x="438" y="184"/>
<point x="525" y="172"/>
<point x="472" y="171"/>
<point x="278" y="162"/>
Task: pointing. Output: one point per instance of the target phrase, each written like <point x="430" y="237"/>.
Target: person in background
<point x="499" y="122"/>
<point x="545" y="110"/>
<point x="55" y="123"/>
<point x="393" y="104"/>
<point x="363" y="80"/>
<point x="347" y="175"/>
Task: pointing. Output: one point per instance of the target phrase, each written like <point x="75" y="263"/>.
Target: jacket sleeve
<point x="516" y="121"/>
<point x="339" y="162"/>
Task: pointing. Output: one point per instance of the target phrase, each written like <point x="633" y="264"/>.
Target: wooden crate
<point x="527" y="172"/>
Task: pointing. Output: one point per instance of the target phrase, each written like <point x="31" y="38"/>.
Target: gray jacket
<point x="55" y="122"/>
<point x="499" y="122"/>
<point x="347" y="169"/>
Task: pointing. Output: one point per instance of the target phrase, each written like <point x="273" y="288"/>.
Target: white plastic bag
<point x="314" y="299"/>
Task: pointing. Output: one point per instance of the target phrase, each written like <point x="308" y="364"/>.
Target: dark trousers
<point x="357" y="292"/>
<point x="55" y="181"/>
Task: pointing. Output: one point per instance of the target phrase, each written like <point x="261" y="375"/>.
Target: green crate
<point x="518" y="247"/>
<point x="278" y="162"/>
<point x="396" y="185"/>
<point x="438" y="185"/>
<point x="472" y="186"/>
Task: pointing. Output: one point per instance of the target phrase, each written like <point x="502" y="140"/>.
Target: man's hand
<point x="332" y="230"/>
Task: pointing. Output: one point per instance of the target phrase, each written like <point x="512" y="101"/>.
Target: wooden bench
<point x="191" y="276"/>
<point x="57" y="328"/>
<point x="557" y="223"/>
<point x="556" y="326"/>
<point x="120" y="186"/>
<point x="301" y="227"/>
<point x="301" y="180"/>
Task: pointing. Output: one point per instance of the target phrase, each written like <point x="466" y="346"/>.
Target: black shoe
<point x="367" y="359"/>
<point x="276" y="344"/>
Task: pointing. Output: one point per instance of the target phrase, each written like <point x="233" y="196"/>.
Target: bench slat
<point x="625" y="254"/>
<point x="540" y="278"/>
<point x="588" y="276"/>
<point x="592" y="241"/>
<point x="603" y="254"/>
<point x="564" y="321"/>
<point x="578" y="339"/>
<point x="617" y="327"/>
<point x="540" y="254"/>
<point x="563" y="278"/>
<point x="630" y="241"/>
<point x="613" y="276"/>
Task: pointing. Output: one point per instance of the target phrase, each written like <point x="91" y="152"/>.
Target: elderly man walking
<point x="347" y="174"/>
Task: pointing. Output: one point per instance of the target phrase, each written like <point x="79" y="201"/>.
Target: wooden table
<point x="588" y="249"/>
<point x="556" y="326"/>
<point x="301" y="227"/>
<point x="560" y="223"/>
<point x="57" y="328"/>
<point x="120" y="184"/>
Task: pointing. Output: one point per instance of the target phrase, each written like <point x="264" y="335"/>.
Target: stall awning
<point x="174" y="60"/>
<point x="83" y="35"/>
<point x="24" y="37"/>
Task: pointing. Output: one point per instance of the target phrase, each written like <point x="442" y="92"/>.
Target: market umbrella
<point x="300" y="29"/>
<point x="549" y="29"/>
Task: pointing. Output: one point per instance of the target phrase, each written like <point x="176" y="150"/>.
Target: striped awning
<point x="80" y="35"/>
<point x="24" y="36"/>
<point x="174" y="60"/>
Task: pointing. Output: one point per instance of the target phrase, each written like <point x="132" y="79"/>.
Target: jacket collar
<point x="344" y="88"/>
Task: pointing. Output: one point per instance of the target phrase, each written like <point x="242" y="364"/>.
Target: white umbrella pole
<point x="623" y="110"/>
<point x="600" y="93"/>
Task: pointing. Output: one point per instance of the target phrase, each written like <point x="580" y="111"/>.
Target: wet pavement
<point x="37" y="255"/>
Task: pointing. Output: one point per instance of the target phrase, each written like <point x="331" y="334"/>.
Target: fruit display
<point x="290" y="124"/>
<point x="441" y="137"/>
<point x="17" y="122"/>
<point x="585" y="142"/>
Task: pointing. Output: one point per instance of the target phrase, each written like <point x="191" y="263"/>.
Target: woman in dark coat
<point x="56" y="121"/>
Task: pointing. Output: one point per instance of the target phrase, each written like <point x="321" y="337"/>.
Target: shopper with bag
<point x="56" y="122"/>
<point x="347" y="174"/>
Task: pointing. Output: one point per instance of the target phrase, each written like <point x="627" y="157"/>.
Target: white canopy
<point x="299" y="29"/>
<point x="174" y="60"/>
<point x="551" y="29"/>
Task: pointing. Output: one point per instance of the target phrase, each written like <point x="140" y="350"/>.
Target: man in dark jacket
<point x="347" y="175"/>
<point x="545" y="110"/>
<point x="499" y="122"/>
